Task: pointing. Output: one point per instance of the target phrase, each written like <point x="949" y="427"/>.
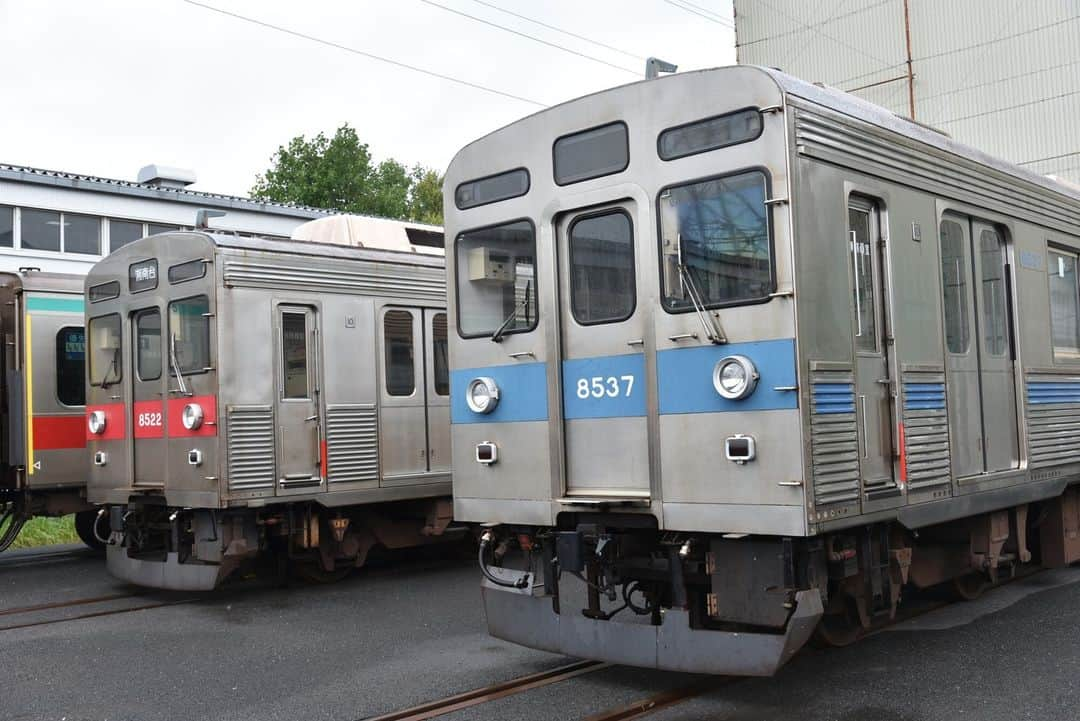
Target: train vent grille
<point x="384" y="280"/>
<point x="352" y="443"/>
<point x="834" y="441"/>
<point x="926" y="430"/>
<point x="1053" y="419"/>
<point x="251" y="447"/>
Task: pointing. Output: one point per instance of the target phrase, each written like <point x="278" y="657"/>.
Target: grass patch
<point x="42" y="531"/>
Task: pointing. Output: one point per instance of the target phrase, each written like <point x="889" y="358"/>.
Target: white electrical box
<point x="491" y="264"/>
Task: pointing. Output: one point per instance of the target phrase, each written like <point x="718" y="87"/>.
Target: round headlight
<point x="734" y="377"/>
<point x="96" y="421"/>
<point x="482" y="395"/>
<point x="192" y="416"/>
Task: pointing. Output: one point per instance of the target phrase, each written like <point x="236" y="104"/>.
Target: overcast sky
<point x="103" y="87"/>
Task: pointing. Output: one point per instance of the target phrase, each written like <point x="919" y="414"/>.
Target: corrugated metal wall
<point x="1001" y="75"/>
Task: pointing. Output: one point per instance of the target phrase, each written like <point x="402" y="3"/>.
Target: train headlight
<point x="192" y="416"/>
<point x="96" y="422"/>
<point x="482" y="395"/>
<point x="734" y="377"/>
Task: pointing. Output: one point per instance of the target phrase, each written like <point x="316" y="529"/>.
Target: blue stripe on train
<point x="829" y="398"/>
<point x="924" y="396"/>
<point x="604" y="387"/>
<point x="1050" y="392"/>
<point x="523" y="394"/>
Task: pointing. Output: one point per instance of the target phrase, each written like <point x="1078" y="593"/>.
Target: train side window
<point x="602" y="288"/>
<point x="294" y="355"/>
<point x="954" y="287"/>
<point x="71" y="366"/>
<point x="1064" y="305"/>
<point x="398" y="347"/>
<point x="106" y="346"/>
<point x="189" y="334"/>
<point x="862" y="264"/>
<point x="148" y="344"/>
<point x="995" y="320"/>
<point x="439" y="353"/>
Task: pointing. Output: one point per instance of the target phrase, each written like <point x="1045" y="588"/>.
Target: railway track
<point x="12" y="619"/>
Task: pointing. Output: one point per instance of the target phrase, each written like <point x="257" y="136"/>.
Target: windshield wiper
<point x="712" y="328"/>
<point x="176" y="367"/>
<point x="498" y="334"/>
<point x="105" y="383"/>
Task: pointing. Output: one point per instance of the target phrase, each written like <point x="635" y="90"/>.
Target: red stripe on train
<point x="53" y="433"/>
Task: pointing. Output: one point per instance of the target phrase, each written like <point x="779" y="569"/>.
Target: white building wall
<point x="996" y="75"/>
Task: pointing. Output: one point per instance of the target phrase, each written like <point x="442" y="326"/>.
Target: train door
<point x="299" y="425"/>
<point x="979" y="370"/>
<point x="147" y="398"/>
<point x="402" y="413"/>
<point x="873" y="385"/>
<point x="603" y="363"/>
<point x="437" y="376"/>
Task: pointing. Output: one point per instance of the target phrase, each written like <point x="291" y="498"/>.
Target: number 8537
<point x="601" y="386"/>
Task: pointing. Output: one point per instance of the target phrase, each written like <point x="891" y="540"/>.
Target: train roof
<point x="830" y="98"/>
<point x="366" y="231"/>
<point x="319" y="249"/>
<point x="36" y="280"/>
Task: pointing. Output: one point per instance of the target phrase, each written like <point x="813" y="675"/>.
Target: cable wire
<point x="1040" y="101"/>
<point x="535" y="39"/>
<point x="710" y="18"/>
<point x="1051" y="157"/>
<point x="560" y="30"/>
<point x="363" y="53"/>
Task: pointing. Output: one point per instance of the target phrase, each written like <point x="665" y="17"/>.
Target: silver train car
<point x="737" y="358"/>
<point x="251" y="398"/>
<point x="43" y="465"/>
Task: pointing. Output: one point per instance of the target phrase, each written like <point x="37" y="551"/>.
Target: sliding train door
<point x="299" y="426"/>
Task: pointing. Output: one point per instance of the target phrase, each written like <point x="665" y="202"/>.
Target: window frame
<point x="536" y="279"/>
<point x="633" y="265"/>
<point x="91" y="289"/>
<point x="966" y="248"/>
<point x="11" y="208"/>
<point x="554" y="144"/>
<point x="82" y="376"/>
<point x="309" y="387"/>
<point x="209" y="336"/>
<point x="412" y="313"/>
<point x="135" y="317"/>
<point x="89" y="355"/>
<point x="521" y="168"/>
<point x="1060" y="249"/>
<point x="435" y="355"/>
<point x="761" y="130"/>
<point x="771" y="232"/>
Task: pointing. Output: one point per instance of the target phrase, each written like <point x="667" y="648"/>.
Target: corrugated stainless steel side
<point x="250" y="432"/>
<point x="387" y="281"/>
<point x="833" y="137"/>
<point x="352" y="443"/>
<point x="834" y="440"/>
<point x="1052" y="408"/>
<point x="926" y="430"/>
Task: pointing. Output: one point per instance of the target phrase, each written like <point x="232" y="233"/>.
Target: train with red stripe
<point x="252" y="399"/>
<point x="42" y="437"/>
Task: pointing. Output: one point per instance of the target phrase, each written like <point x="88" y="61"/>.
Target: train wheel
<point x="84" y="526"/>
<point x="840" y="625"/>
<point x="313" y="572"/>
<point x="970" y="586"/>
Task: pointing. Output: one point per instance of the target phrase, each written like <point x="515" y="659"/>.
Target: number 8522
<point x="601" y="386"/>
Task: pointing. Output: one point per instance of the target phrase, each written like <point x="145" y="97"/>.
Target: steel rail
<point x="98" y="614"/>
<point x="486" y="694"/>
<point x="65" y="604"/>
<point x="657" y="701"/>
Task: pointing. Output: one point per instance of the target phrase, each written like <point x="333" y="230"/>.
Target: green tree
<point x="339" y="173"/>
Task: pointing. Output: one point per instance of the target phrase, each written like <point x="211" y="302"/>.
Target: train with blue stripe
<point x="737" y="359"/>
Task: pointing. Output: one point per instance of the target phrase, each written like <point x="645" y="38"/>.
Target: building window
<point x="70" y="366"/>
<point x="155" y="228"/>
<point x="82" y="234"/>
<point x="122" y="232"/>
<point x="40" y="229"/>
<point x="1064" y="305"/>
<point x="7" y="227"/>
<point x="398" y="346"/>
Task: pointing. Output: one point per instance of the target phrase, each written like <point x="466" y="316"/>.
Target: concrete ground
<point x="411" y="630"/>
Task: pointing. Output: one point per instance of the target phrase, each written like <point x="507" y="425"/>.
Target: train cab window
<point x="709" y="134"/>
<point x="106" y="367"/>
<point x="714" y="243"/>
<point x="591" y="153"/>
<point x="439" y="354"/>
<point x="496" y="280"/>
<point x="71" y="366"/>
<point x="954" y="286"/>
<point x="294" y="360"/>
<point x="398" y="348"/>
<point x="492" y="189"/>
<point x="183" y="272"/>
<point x="189" y="334"/>
<point x="104" y="291"/>
<point x="994" y="310"/>
<point x="1064" y="305"/>
<point x="602" y="288"/>
<point x="148" y="344"/>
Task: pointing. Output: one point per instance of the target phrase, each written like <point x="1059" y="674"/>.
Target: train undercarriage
<point x="17" y="506"/>
<point x="610" y="587"/>
<point x="154" y="544"/>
